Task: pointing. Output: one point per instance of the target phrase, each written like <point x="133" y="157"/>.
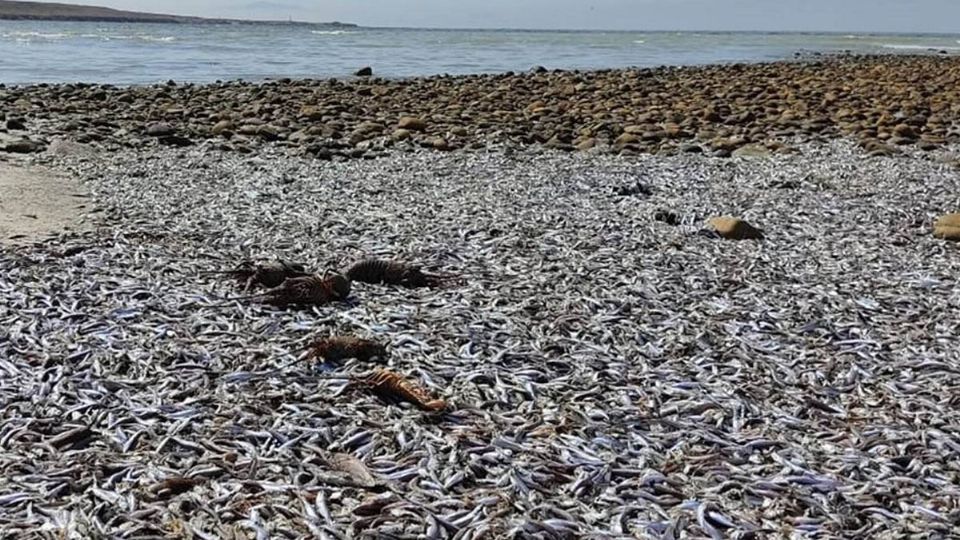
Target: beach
<point x="611" y="366"/>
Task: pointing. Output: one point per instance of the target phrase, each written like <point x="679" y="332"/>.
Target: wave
<point x="37" y="36"/>
<point x="639" y="41"/>
<point x="332" y="32"/>
<point x="917" y="47"/>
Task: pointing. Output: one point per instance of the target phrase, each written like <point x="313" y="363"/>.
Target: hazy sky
<point x="824" y="15"/>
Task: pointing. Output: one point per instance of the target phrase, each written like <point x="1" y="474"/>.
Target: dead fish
<point x="70" y="437"/>
<point x="355" y="468"/>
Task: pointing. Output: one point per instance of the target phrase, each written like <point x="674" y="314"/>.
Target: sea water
<point x="121" y="53"/>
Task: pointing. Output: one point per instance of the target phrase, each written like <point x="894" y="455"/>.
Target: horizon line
<point x="655" y="30"/>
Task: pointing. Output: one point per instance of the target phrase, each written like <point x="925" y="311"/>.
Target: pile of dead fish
<point x="594" y="367"/>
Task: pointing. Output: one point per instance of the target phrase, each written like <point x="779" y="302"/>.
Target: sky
<point x="934" y="16"/>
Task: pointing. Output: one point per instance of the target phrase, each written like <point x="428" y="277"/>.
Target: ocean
<point x="36" y="52"/>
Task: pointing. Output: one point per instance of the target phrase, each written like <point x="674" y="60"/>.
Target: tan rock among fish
<point x="733" y="228"/>
<point x="948" y="227"/>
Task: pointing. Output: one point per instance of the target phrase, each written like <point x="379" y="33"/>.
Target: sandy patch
<point x="36" y="203"/>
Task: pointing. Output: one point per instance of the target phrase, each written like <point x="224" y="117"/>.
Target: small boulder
<point x="175" y="140"/>
<point x="311" y="112"/>
<point x="269" y="132"/>
<point x="159" y="129"/>
<point x="727" y="143"/>
<point x="876" y="148"/>
<point x="733" y="228"/>
<point x="905" y="131"/>
<point x="586" y="144"/>
<point x="401" y="134"/>
<point x="62" y="147"/>
<point x="751" y="151"/>
<point x="21" y="146"/>
<point x="948" y="227"/>
<point x="411" y="123"/>
<point x="364" y="72"/>
<point x="222" y="127"/>
<point x="15" y="124"/>
<point x="625" y="139"/>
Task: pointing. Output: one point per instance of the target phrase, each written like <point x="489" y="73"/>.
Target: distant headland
<point x="43" y="11"/>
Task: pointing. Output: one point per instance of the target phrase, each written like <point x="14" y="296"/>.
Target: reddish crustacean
<point x="392" y="273"/>
<point x="305" y="291"/>
<point x="393" y="386"/>
<point x="265" y="274"/>
<point x="336" y="348"/>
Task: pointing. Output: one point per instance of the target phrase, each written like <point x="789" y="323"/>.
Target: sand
<point x="36" y="203"/>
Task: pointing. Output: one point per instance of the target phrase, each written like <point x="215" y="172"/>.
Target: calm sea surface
<point x="33" y="52"/>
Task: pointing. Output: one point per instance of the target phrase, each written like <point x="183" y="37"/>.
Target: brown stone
<point x="727" y="143"/>
<point x="905" y="131"/>
<point x="626" y="138"/>
<point x="401" y="134"/>
<point x="733" y="228"/>
<point x="948" y="227"/>
<point x="752" y="150"/>
<point x="222" y="126"/>
<point x="311" y="113"/>
<point x="412" y="123"/>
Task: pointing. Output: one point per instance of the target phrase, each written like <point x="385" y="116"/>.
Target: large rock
<point x="401" y="134"/>
<point x="175" y="140"/>
<point x="221" y="127"/>
<point x="948" y="227"/>
<point x="412" y="123"/>
<point x="625" y="139"/>
<point x="159" y="129"/>
<point x="733" y="228"/>
<point x="752" y="151"/>
<point x="62" y="147"/>
<point x="20" y="146"/>
<point x="364" y="72"/>
<point x="311" y="112"/>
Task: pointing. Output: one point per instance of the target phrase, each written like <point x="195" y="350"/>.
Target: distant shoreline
<point x="176" y="20"/>
<point x="36" y="11"/>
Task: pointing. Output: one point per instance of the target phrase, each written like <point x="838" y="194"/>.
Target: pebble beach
<point x="611" y="367"/>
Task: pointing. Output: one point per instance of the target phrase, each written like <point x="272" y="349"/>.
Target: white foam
<point x="639" y="41"/>
<point x="35" y="36"/>
<point x="331" y="32"/>
<point x="916" y="47"/>
<point x="40" y="35"/>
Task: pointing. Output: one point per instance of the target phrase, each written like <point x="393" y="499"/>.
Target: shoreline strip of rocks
<point x="885" y="103"/>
